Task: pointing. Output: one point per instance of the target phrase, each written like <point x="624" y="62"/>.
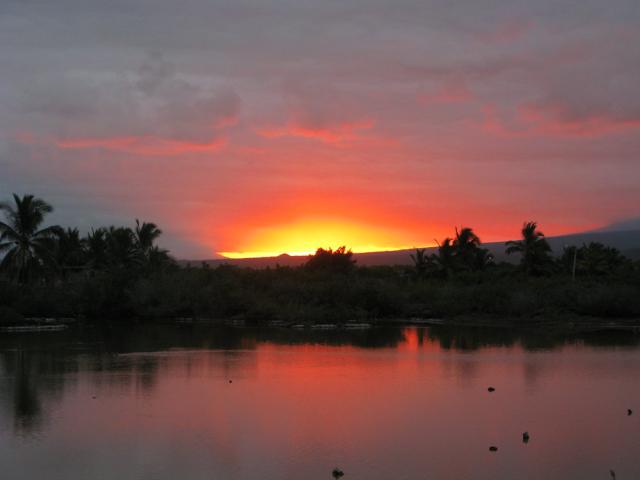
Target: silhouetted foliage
<point x="69" y="251"/>
<point x="460" y="254"/>
<point x="423" y="263"/>
<point x="27" y="248"/>
<point x="338" y="260"/>
<point x="594" y="259"/>
<point x="96" y="249"/>
<point x="534" y="250"/>
<point x="120" y="272"/>
<point x="468" y="253"/>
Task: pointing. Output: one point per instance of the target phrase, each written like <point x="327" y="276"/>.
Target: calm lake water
<point x="197" y="402"/>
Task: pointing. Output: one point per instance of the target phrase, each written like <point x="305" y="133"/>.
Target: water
<point x="198" y="402"/>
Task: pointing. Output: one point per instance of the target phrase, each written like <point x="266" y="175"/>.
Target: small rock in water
<point x="491" y="389"/>
<point x="613" y="474"/>
<point x="525" y="437"/>
<point x="337" y="473"/>
<point x="629" y="412"/>
<point x="493" y="449"/>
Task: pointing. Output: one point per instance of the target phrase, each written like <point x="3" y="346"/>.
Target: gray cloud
<point x="152" y="100"/>
<point x="181" y="76"/>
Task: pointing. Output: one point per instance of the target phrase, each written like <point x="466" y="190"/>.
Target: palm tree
<point x="446" y="257"/>
<point x="467" y="249"/>
<point x="533" y="247"/>
<point x="122" y="250"/>
<point x="158" y="258"/>
<point x="420" y="261"/>
<point x="425" y="265"/>
<point x="96" y="247"/>
<point x="145" y="236"/>
<point x="466" y="239"/>
<point x="27" y="247"/>
<point x="69" y="250"/>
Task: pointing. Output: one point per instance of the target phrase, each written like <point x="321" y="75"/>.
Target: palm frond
<point x="51" y="231"/>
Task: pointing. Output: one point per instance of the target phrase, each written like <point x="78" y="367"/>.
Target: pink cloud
<point x="144" y="145"/>
<point x="535" y="119"/>
<point x="337" y="132"/>
<point x="554" y="119"/>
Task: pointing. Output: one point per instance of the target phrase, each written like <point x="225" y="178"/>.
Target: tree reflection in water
<point x="38" y="368"/>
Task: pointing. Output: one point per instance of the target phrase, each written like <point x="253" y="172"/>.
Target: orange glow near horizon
<point x="304" y="237"/>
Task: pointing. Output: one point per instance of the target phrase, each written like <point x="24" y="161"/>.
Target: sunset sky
<point x="254" y="127"/>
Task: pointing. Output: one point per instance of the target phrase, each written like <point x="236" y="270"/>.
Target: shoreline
<point x="556" y="324"/>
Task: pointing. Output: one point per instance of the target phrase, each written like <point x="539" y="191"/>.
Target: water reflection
<point x="375" y="399"/>
<point x="37" y="366"/>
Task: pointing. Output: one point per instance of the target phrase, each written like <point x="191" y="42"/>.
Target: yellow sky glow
<point x="305" y="237"/>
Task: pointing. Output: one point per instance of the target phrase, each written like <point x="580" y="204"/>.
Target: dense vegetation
<point x="120" y="273"/>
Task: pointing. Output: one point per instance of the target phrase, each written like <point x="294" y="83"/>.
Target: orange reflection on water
<point x="410" y="407"/>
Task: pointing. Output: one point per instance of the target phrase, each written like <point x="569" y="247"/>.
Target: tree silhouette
<point x="96" y="248"/>
<point x="121" y="249"/>
<point x="338" y="260"/>
<point x="69" y="251"/>
<point x="593" y="259"/>
<point x="26" y="246"/>
<point x="145" y="236"/>
<point x="462" y="253"/>
<point x="468" y="253"/>
<point x="446" y="257"/>
<point x="533" y="248"/>
<point x="466" y="239"/>
<point x="158" y="258"/>
<point x="420" y="261"/>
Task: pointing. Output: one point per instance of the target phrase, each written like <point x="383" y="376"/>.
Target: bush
<point x="615" y="301"/>
<point x="321" y="295"/>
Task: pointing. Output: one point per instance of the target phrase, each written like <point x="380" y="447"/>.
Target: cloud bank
<point x="217" y="119"/>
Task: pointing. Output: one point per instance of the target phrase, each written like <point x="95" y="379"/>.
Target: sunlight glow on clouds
<point x="265" y="126"/>
<point x="304" y="237"/>
<point x="146" y="146"/>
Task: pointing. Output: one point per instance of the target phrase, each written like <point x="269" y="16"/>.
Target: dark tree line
<point x="121" y="273"/>
<point x="458" y="254"/>
<point x="464" y="253"/>
<point x="32" y="252"/>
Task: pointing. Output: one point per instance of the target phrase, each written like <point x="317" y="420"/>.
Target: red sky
<point x="268" y="127"/>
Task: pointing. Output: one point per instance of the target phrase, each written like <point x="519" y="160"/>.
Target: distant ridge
<point x="628" y="242"/>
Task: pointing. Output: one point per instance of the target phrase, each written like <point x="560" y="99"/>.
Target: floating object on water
<point x="337" y="473"/>
<point x="613" y="474"/>
<point x="230" y="381"/>
<point x="493" y="449"/>
<point x="629" y="412"/>
<point x="525" y="437"/>
<point x="491" y="389"/>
